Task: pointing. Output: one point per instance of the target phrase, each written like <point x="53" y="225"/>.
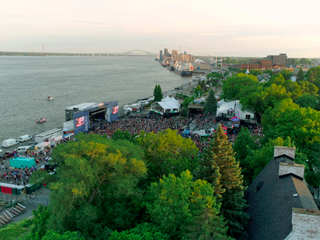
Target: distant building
<point x="280" y="59"/>
<point x="281" y="204"/>
<point x="257" y="64"/>
<point x="160" y="56"/>
<point x="291" y="62"/>
<point x="175" y="55"/>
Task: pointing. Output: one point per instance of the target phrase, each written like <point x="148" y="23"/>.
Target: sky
<point x="218" y="28"/>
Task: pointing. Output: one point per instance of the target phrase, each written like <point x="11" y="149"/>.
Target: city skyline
<point x="201" y="28"/>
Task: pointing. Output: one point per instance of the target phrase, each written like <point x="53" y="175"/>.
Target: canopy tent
<point x="233" y="108"/>
<point x="22" y="162"/>
<point x="170" y="99"/>
<point x="167" y="105"/>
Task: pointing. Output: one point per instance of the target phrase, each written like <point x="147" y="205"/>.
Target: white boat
<point x="50" y="98"/>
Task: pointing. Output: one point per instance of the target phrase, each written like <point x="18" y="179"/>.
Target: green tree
<point x="304" y="61"/>
<point x="234" y="86"/>
<point x="286" y="73"/>
<point x="51" y="235"/>
<point x="145" y="231"/>
<point x="226" y="73"/>
<point x="307" y="100"/>
<point x="124" y="135"/>
<point x="185" y="209"/>
<point x="40" y="222"/>
<point x="300" y="76"/>
<point x="211" y="104"/>
<point x="157" y="93"/>
<point x="269" y="71"/>
<point x="198" y="91"/>
<point x="167" y="152"/>
<point x="256" y="72"/>
<point x="243" y="147"/>
<point x="220" y="156"/>
<point x="93" y="171"/>
<point x="311" y="77"/>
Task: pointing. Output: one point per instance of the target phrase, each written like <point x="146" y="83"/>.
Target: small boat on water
<point x="50" y="98"/>
<point x="42" y="120"/>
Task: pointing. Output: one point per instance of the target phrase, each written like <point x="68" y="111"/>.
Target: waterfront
<point x="26" y="82"/>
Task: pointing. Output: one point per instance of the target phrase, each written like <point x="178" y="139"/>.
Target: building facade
<point x="280" y="59"/>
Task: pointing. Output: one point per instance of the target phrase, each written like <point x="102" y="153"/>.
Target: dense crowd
<point x="138" y="123"/>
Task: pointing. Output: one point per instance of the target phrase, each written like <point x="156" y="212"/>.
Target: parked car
<point x="24" y="138"/>
<point x="7" y="155"/>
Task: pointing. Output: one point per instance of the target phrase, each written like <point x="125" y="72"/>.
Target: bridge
<point x="131" y="53"/>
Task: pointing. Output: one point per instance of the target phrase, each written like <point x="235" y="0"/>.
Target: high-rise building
<point x="280" y="59"/>
<point x="185" y="52"/>
<point x="175" y="55"/>
<point x="160" y="56"/>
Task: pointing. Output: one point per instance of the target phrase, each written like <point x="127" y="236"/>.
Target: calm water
<point x="26" y="82"/>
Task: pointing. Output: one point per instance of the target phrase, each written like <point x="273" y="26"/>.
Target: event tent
<point x="233" y="108"/>
<point x="22" y="162"/>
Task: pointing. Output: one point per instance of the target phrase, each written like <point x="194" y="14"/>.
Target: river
<point x="26" y="82"/>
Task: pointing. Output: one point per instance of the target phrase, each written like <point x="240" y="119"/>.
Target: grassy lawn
<point x="15" y="230"/>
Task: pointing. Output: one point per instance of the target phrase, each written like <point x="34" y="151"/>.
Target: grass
<point x="15" y="230"/>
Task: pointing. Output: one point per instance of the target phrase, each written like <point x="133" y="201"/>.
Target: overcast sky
<point x="201" y="27"/>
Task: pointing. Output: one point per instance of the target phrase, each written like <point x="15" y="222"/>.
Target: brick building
<point x="257" y="64"/>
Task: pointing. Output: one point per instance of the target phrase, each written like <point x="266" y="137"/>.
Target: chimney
<point x="305" y="224"/>
<point x="289" y="151"/>
<point x="291" y="168"/>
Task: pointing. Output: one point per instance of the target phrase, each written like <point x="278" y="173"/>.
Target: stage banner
<point x="112" y="112"/>
<point x="81" y="122"/>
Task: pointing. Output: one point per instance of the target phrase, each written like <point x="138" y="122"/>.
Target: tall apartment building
<point x="278" y="60"/>
<point x="160" y="56"/>
<point x="175" y="55"/>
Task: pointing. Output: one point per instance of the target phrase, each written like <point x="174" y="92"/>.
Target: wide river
<point x="26" y="82"/>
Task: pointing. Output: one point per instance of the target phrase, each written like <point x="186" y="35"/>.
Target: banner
<point x="81" y="122"/>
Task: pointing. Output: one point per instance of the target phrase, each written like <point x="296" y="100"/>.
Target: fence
<point x="25" y="199"/>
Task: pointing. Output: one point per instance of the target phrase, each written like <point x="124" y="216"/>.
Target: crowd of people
<point x="137" y="123"/>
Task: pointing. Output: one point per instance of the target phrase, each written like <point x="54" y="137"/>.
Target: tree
<point x="233" y="86"/>
<point x="167" y="152"/>
<point x="225" y="175"/>
<point x="145" y="231"/>
<point x="198" y="91"/>
<point x="51" y="235"/>
<point x="286" y="73"/>
<point x="256" y="72"/>
<point x="124" y="135"/>
<point x="307" y="100"/>
<point x="300" y="75"/>
<point x="311" y="77"/>
<point x="211" y="104"/>
<point x="243" y="147"/>
<point x="185" y="209"/>
<point x="157" y="93"/>
<point x="94" y="175"/>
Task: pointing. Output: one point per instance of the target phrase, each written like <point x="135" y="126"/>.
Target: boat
<point x="184" y="69"/>
<point x="42" y="120"/>
<point x="170" y="66"/>
<point x="50" y="98"/>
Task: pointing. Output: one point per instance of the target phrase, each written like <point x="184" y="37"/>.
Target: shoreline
<point x="121" y="115"/>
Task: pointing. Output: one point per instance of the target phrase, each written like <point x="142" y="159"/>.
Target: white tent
<point x="167" y="105"/>
<point x="233" y="108"/>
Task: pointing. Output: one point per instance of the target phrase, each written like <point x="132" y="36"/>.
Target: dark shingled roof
<point x="271" y="205"/>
